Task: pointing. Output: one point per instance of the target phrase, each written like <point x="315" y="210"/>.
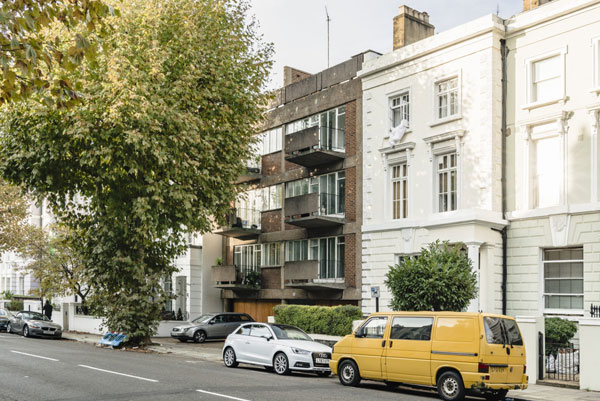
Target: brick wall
<point x="350" y="260"/>
<point x="271" y="221"/>
<point x="351" y="128"/>
<point x="271" y="164"/>
<point x="271" y="277"/>
<point x="351" y="194"/>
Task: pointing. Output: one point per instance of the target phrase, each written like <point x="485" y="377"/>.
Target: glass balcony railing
<point x="330" y="204"/>
<point x="244" y="218"/>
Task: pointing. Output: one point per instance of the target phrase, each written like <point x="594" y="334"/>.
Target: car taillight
<point x="524" y="369"/>
<point x="483" y="368"/>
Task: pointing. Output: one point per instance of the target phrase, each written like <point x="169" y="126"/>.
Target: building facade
<point x="438" y="176"/>
<point x="294" y="235"/>
<point x="553" y="108"/>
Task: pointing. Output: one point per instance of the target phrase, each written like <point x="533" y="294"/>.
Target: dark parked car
<point x="34" y="324"/>
<point x="4" y="318"/>
<point x="212" y="325"/>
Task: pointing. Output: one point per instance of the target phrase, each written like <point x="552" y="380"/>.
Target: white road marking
<point x="222" y="395"/>
<point x="120" y="374"/>
<point x="35" y="356"/>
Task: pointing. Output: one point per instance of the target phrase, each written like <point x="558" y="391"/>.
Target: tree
<point x="439" y="279"/>
<point x="14" y="208"/>
<point x="34" y="60"/>
<point x="56" y="264"/>
<point x="558" y="334"/>
<point x="153" y="150"/>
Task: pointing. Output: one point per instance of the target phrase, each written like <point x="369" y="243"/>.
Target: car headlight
<point x="300" y="351"/>
<point x="35" y="326"/>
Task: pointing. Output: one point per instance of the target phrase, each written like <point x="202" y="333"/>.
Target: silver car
<point x="209" y="326"/>
<point x="34" y="324"/>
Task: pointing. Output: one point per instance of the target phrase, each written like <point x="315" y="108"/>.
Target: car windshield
<point x="36" y="316"/>
<point x="289" y="333"/>
<point x="203" y="319"/>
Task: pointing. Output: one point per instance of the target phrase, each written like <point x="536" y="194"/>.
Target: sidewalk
<point x="537" y="392"/>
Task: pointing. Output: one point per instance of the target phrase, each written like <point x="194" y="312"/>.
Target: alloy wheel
<point x="280" y="364"/>
<point x="199" y="336"/>
<point x="9" y="328"/>
<point x="25" y="331"/>
<point x="229" y="358"/>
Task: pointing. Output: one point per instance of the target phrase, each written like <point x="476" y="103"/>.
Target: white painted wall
<point x="589" y="333"/>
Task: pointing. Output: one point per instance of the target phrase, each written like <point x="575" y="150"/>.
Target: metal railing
<point x="562" y="363"/>
<point x="331" y="269"/>
<point x="244" y="218"/>
<point x="249" y="275"/>
<point x="332" y="139"/>
<point x="595" y="310"/>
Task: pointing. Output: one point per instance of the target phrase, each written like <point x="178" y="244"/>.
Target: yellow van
<point x="459" y="353"/>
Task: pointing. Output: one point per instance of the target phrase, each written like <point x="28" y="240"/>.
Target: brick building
<point x="294" y="235"/>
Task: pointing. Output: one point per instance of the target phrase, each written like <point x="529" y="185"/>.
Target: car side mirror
<point x="269" y="338"/>
<point x="211" y="322"/>
<point x="359" y="333"/>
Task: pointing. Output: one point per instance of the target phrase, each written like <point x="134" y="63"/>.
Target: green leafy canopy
<point x="153" y="150"/>
<point x="439" y="279"/>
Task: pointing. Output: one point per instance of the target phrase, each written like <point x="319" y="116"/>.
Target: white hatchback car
<point x="276" y="346"/>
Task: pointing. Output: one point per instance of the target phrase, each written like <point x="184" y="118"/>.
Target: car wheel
<point x="229" y="358"/>
<point x="199" y="336"/>
<point x="9" y="329"/>
<point x="281" y="364"/>
<point x="323" y="374"/>
<point x="25" y="331"/>
<point x="450" y="386"/>
<point x="183" y="340"/>
<point x="348" y="373"/>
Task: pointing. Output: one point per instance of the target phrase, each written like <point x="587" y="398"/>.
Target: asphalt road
<point x="41" y="369"/>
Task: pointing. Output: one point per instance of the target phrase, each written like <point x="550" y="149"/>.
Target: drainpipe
<point x="503" y="232"/>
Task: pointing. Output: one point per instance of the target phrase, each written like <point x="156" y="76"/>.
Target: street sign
<point x="374" y="292"/>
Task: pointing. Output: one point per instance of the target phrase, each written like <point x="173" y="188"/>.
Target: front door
<point x="408" y="352"/>
<point x="495" y="350"/>
<point x="261" y="345"/>
<point x="368" y="346"/>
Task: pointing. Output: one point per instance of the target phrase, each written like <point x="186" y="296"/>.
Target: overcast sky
<point x="298" y="28"/>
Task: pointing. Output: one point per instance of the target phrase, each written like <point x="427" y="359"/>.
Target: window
<point x="400" y="109"/>
<point x="258" y="330"/>
<point x="446" y="176"/>
<point x="247" y="258"/>
<point x="328" y="251"/>
<point x="271" y="197"/>
<point x="502" y="331"/>
<point x="270" y="141"/>
<point x="332" y="128"/>
<point x="271" y="254"/>
<point x="330" y="187"/>
<point x="546" y="78"/>
<point x="400" y="191"/>
<point x="512" y="332"/>
<point x="374" y="328"/>
<point x="447" y="103"/>
<point x="244" y="331"/>
<point x="219" y="319"/>
<point x="547" y="169"/>
<point x="411" y="328"/>
<point x="254" y="201"/>
<point x="563" y="279"/>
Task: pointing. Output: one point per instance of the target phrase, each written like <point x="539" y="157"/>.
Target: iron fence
<point x="562" y="363"/>
<point x="595" y="310"/>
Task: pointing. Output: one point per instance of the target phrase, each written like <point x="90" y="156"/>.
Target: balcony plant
<point x="252" y="279"/>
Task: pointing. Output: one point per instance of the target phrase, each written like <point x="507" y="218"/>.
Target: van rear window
<point x="496" y="329"/>
<point x="512" y="330"/>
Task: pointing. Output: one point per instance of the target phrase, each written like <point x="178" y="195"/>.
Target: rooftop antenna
<point x="498" y="9"/>
<point x="328" y="21"/>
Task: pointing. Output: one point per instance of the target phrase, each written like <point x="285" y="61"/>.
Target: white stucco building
<point x="442" y="180"/>
<point x="553" y="108"/>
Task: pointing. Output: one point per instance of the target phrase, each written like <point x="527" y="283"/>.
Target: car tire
<point x="199" y="336"/>
<point x="25" y="331"/>
<point x="229" y="358"/>
<point x="450" y="386"/>
<point x="281" y="364"/>
<point x="9" y="329"/>
<point x="323" y="374"/>
<point x="348" y="373"/>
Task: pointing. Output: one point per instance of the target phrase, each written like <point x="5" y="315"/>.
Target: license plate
<point x="322" y="360"/>
<point x="497" y="370"/>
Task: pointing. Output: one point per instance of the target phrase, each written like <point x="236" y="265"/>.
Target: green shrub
<point x="441" y="278"/>
<point x="558" y="334"/>
<point x="15" y="305"/>
<point x="330" y="320"/>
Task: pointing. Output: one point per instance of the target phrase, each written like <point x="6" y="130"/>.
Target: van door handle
<point x="383" y="343"/>
<point x="391" y="342"/>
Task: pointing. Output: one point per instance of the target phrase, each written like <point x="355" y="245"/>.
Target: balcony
<point x="315" y="146"/>
<point x="314" y="275"/>
<point x="315" y="210"/>
<point x="251" y="173"/>
<point x="236" y="278"/>
<point x="243" y="224"/>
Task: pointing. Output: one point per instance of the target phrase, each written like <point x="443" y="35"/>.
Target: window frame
<point x="307" y="248"/>
<point x="529" y="68"/>
<point x="404" y="190"/>
<point x="266" y="252"/>
<point x="448" y="170"/>
<point x="431" y="318"/>
<point x="450" y="117"/>
<point x="395" y="95"/>
<point x="544" y="294"/>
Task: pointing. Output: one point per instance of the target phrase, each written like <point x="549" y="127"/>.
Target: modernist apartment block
<point x="489" y="126"/>
<point x="552" y="159"/>
<point x="294" y="235"/>
<point x="439" y="177"/>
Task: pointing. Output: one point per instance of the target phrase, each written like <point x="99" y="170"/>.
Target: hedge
<point x="329" y="320"/>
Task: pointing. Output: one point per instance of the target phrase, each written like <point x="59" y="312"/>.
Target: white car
<point x="276" y="346"/>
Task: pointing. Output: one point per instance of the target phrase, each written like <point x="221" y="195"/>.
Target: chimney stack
<point x="292" y="75"/>
<point x="410" y="26"/>
<point x="531" y="4"/>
